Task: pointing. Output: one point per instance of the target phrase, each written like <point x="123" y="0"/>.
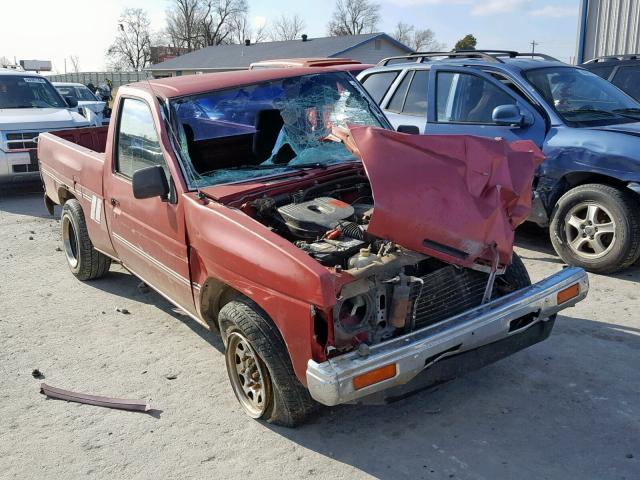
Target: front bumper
<point x="18" y="166"/>
<point x="331" y="382"/>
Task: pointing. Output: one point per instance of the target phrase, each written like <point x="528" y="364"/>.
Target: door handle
<point x="115" y="202"/>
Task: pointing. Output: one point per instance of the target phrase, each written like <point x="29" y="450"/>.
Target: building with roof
<point x="366" y="48"/>
<point x="608" y="27"/>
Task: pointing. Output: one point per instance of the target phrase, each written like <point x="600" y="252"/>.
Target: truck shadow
<point x="536" y="239"/>
<point x="123" y="284"/>
<point x="561" y="409"/>
<point x="25" y="200"/>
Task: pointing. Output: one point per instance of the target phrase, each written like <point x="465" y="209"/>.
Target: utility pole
<point x="533" y="46"/>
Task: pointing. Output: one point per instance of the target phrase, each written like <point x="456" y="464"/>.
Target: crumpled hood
<point x="457" y="198"/>
<point x="39" y="119"/>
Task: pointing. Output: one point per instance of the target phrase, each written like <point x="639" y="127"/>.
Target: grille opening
<point x="437" y="356"/>
<point x="444" y="293"/>
<point x="521" y="322"/>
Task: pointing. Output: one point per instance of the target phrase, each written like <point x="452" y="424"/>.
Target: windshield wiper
<point x="17" y="106"/>
<point x="308" y="165"/>
<point x="589" y="110"/>
<point x="631" y="112"/>
<point x="269" y="166"/>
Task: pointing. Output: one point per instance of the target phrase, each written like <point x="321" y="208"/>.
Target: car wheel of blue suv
<point x="597" y="227"/>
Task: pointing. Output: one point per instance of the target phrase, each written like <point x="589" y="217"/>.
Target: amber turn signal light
<point x="374" y="376"/>
<point x="568" y="293"/>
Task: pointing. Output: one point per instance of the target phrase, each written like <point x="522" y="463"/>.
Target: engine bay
<point x="395" y="290"/>
<point x="328" y="222"/>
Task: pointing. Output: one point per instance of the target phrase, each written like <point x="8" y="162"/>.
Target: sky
<point x="53" y="30"/>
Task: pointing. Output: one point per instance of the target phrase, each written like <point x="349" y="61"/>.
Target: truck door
<point x="469" y="102"/>
<point x="148" y="234"/>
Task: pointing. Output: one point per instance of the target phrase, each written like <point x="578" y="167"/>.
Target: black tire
<point x="621" y="248"/>
<point x="85" y="262"/>
<point x="514" y="278"/>
<point x="287" y="402"/>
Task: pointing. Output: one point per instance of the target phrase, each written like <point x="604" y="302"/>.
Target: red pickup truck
<point x="337" y="258"/>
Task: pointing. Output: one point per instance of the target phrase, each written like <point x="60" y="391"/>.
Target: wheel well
<point x="64" y="195"/>
<point x="215" y="294"/>
<point x="575" y="179"/>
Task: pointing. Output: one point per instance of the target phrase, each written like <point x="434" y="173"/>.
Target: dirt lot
<point x="567" y="408"/>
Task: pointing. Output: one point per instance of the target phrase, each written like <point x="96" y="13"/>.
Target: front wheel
<point x="259" y="367"/>
<point x="597" y="227"/>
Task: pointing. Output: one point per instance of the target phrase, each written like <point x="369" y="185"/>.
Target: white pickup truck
<point x="29" y="105"/>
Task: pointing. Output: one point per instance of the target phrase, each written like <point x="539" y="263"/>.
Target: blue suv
<point x="587" y="191"/>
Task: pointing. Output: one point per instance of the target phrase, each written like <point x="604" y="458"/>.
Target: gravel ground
<point x="566" y="408"/>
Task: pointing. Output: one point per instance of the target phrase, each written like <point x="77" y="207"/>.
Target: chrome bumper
<point x="331" y="382"/>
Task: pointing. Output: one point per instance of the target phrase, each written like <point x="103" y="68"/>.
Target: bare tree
<point x="218" y="19"/>
<point x="132" y="46"/>
<point x="353" y="17"/>
<point x="183" y="23"/>
<point x="5" y="61"/>
<point x="75" y="63"/>
<point x="243" y="30"/>
<point x="287" y="27"/>
<point x="416" y="39"/>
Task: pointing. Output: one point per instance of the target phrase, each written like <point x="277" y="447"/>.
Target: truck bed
<point x="71" y="165"/>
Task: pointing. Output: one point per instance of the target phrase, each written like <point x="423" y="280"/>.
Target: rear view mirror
<point x="509" y="115"/>
<point x="410" y="129"/>
<point x="150" y="182"/>
<point x="72" y="102"/>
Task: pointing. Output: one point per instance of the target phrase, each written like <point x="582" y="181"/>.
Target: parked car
<point x="242" y="198"/>
<point x="621" y="70"/>
<point x="96" y="111"/>
<point x="343" y="64"/>
<point x="587" y="190"/>
<point x="29" y="105"/>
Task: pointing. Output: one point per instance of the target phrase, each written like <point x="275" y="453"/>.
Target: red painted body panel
<point x="65" y="165"/>
<point x="450" y="197"/>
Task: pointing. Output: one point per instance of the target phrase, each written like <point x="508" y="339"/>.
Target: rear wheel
<point x="85" y="262"/>
<point x="597" y="227"/>
<point x="259" y="367"/>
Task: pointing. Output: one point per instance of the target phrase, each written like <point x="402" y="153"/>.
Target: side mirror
<point x="410" y="129"/>
<point x="150" y="182"/>
<point x="71" y="101"/>
<point x="509" y="115"/>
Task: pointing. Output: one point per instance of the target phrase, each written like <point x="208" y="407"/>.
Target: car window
<point x="467" y="98"/>
<point x="582" y="98"/>
<point x="377" y="84"/>
<point x="628" y="80"/>
<point x="84" y="94"/>
<point x="17" y="91"/>
<point x="416" y="102"/>
<point x="397" y="100"/>
<point x="602" y="71"/>
<point x="138" y="143"/>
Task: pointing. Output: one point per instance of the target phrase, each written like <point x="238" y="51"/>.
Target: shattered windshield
<point x="269" y="128"/>
<point x="582" y="98"/>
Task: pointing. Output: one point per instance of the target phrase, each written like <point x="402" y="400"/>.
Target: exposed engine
<point x="395" y="291"/>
